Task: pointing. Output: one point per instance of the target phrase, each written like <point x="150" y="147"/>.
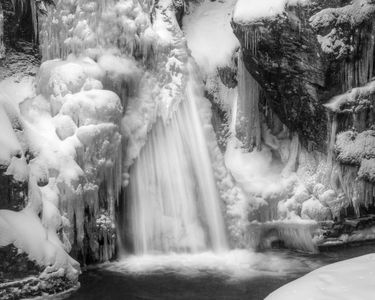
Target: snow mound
<point x="208" y="32"/>
<point x="247" y="11"/>
<point x="346" y="280"/>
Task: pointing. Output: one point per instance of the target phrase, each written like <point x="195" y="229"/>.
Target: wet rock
<point x="12" y="192"/>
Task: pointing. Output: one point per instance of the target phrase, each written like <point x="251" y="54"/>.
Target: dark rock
<point x="14" y="265"/>
<point x="284" y="55"/>
<point x="33" y="287"/>
<point x="228" y="76"/>
<point x="12" y="193"/>
<point x="179" y="6"/>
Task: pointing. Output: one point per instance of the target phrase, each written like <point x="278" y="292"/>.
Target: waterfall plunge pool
<point x="235" y="275"/>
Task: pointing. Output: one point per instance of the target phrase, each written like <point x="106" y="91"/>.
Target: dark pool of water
<point x="201" y="279"/>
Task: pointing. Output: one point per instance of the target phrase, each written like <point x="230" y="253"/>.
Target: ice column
<point x="248" y="116"/>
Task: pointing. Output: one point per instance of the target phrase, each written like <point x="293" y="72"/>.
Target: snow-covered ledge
<point x="247" y="11"/>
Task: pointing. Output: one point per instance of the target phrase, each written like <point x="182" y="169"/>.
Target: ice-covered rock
<point x="312" y="209"/>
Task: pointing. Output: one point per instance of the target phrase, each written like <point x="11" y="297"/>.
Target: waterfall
<point x="173" y="202"/>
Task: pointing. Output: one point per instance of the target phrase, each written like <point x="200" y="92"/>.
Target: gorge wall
<point x="304" y="59"/>
<point x="291" y="105"/>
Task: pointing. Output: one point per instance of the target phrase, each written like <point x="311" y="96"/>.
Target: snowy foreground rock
<point x="352" y="279"/>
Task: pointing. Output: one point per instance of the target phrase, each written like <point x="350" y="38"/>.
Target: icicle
<point x="2" y="46"/>
<point x="332" y="139"/>
<point x="294" y="235"/>
<point x="358" y="70"/>
<point x="248" y="114"/>
<point x="251" y="38"/>
<point x="294" y="148"/>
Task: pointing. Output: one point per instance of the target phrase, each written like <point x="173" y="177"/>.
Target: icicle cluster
<point x="71" y="28"/>
<point x="292" y="234"/>
<point x="79" y="156"/>
<point x="251" y="37"/>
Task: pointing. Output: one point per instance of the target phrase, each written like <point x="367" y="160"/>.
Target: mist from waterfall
<point x="173" y="199"/>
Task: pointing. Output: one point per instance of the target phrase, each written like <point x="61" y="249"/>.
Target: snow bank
<point x="25" y="231"/>
<point x="11" y="93"/>
<point x="209" y="34"/>
<point x="346" y="280"/>
<point x="247" y="11"/>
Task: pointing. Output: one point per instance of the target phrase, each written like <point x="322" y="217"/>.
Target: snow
<point x="346" y="280"/>
<point x="92" y="107"/>
<point x="119" y="68"/>
<point x="314" y="210"/>
<point x="353" y="96"/>
<point x="71" y="130"/>
<point x="353" y="147"/>
<point x="356" y="12"/>
<point x="25" y="231"/>
<point x="11" y="94"/>
<point x="247" y="11"/>
<point x="209" y="34"/>
<point x="294" y="233"/>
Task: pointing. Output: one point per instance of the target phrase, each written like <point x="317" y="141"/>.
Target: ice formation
<point x="357" y="46"/>
<point x="248" y="115"/>
<point x="34" y="230"/>
<point x="117" y="47"/>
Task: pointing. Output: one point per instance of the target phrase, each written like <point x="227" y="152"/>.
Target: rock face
<point x="306" y="55"/>
<point x="18" y="53"/>
<point x="314" y="63"/>
<point x="15" y="266"/>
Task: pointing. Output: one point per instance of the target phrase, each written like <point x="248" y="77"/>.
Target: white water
<point x="234" y="264"/>
<point x="174" y="203"/>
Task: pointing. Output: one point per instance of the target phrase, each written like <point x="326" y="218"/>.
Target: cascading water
<point x="173" y="198"/>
